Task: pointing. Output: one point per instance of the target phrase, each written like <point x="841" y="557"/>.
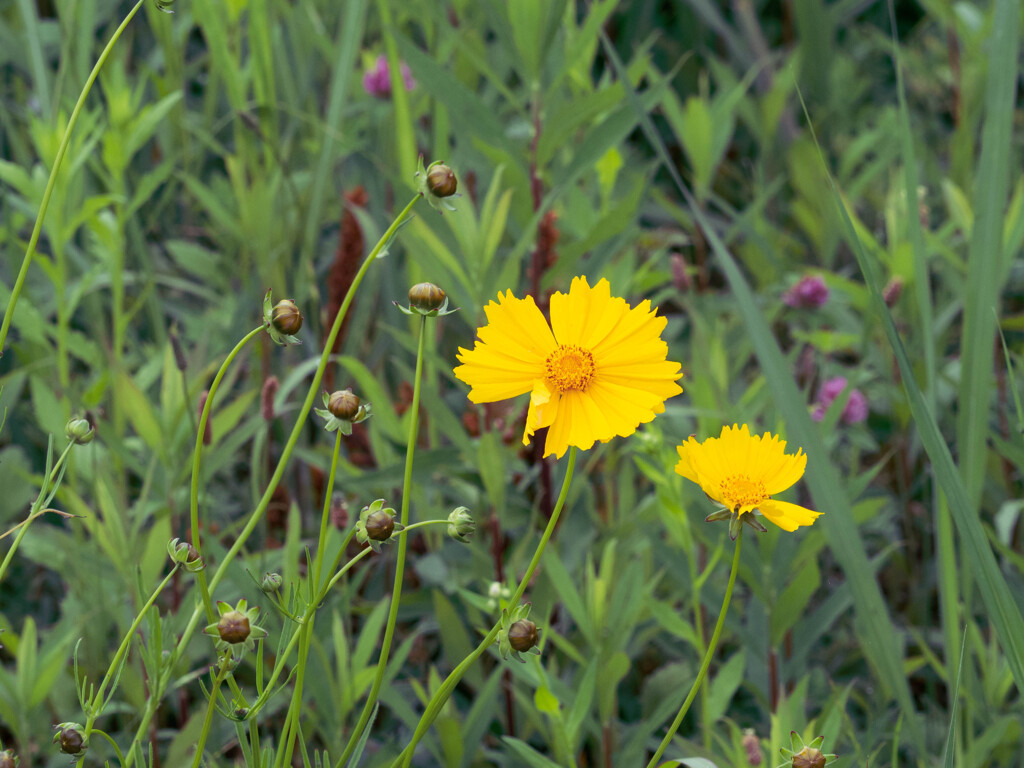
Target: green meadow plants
<point x="548" y="384"/>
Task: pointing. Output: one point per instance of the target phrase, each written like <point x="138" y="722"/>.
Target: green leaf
<point x="525" y="752"/>
<point x="724" y="686"/>
<point x="138" y="410"/>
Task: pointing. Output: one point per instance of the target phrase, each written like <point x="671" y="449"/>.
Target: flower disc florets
<point x="517" y="634"/>
<point x="236" y="628"/>
<point x="282" y="321"/>
<point x="341" y="410"/>
<point x="376" y="525"/>
<point x="71" y="738"/>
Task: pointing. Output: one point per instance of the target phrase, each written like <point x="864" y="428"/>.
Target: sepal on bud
<point x="282" y="320"/>
<point x="801" y="755"/>
<point x="435" y="183"/>
<point x="461" y="525"/>
<point x="185" y="554"/>
<point x="337" y="409"/>
<point x="71" y="738"/>
<point x="376" y="525"/>
<point x="518" y="634"/>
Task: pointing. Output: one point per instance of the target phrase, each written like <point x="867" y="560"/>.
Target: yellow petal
<point x="788" y="516"/>
<point x="543" y="408"/>
<point x="685" y="465"/>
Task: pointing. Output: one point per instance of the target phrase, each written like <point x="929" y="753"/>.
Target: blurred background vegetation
<point x="236" y="146"/>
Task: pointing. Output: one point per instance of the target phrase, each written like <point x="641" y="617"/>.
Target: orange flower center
<point x="741" y="491"/>
<point x="569" y="368"/>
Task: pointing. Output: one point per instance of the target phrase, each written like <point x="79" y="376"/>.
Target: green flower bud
<point x="271" y="582"/>
<point x="461" y="524"/>
<point x="343" y="405"/>
<point x="286" y="317"/>
<point x="523" y="635"/>
<point x="71" y="738"/>
<point x="441" y="180"/>
<point x="376" y="524"/>
<point x="426" y="297"/>
<point x="185" y="554"/>
<point x="79" y="431"/>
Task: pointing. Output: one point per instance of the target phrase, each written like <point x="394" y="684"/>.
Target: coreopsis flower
<point x="743" y="472"/>
<point x="810" y="292"/>
<point x="599" y="370"/>
<point x="855" y="410"/>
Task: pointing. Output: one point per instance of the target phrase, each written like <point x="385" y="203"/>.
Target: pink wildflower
<point x="809" y="293"/>
<point x="377" y="80"/>
<point x="855" y="410"/>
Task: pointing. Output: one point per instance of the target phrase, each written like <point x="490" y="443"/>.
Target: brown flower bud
<point x="71" y="739"/>
<point x="426" y="296"/>
<point x="233" y="627"/>
<point x="441" y="181"/>
<point x="8" y="759"/>
<point x="343" y="405"/>
<point x="286" y="318"/>
<point x="523" y="635"/>
<point x="380" y="525"/>
<point x="808" y="757"/>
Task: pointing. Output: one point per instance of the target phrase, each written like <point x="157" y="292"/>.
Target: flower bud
<point x="271" y="582"/>
<point x="441" y="180"/>
<point x="183" y="553"/>
<point x="71" y="738"/>
<point x="380" y="525"/>
<point x="752" y="747"/>
<point x="805" y="755"/>
<point x="8" y="759"/>
<point x="233" y="627"/>
<point x="286" y="318"/>
<point x="426" y="297"/>
<point x="79" y="431"/>
<point x="343" y="404"/>
<point x="809" y="758"/>
<point x="523" y="635"/>
<point x="892" y="292"/>
<point x="461" y="524"/>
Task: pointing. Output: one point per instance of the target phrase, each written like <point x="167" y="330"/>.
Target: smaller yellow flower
<point x="743" y="472"/>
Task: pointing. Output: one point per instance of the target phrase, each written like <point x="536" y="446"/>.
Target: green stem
<point x="197" y="459"/>
<point x="444" y="691"/>
<point x="707" y="656"/>
<point x="96" y="704"/>
<point x="325" y="516"/>
<point x="34" y="512"/>
<point x="212" y="705"/>
<point x="396" y="591"/>
<point x="293" y="438"/>
<point x="58" y="160"/>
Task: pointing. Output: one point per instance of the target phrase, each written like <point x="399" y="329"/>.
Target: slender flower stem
<point x="707" y="656"/>
<point x="51" y="183"/>
<point x="196" y="463"/>
<point x="325" y="516"/>
<point x="96" y="704"/>
<point x="396" y="590"/>
<point x="222" y="672"/>
<point x="34" y="511"/>
<point x="446" y="688"/>
<point x="293" y="438"/>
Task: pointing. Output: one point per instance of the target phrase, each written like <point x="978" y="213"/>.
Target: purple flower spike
<point x="377" y="79"/>
<point x="855" y="410"/>
<point x="809" y="293"/>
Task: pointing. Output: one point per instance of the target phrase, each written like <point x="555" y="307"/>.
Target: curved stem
<point x="52" y="181"/>
<point x="396" y="590"/>
<point x="201" y="743"/>
<point x="707" y="656"/>
<point x="442" y="694"/>
<point x="325" y="516"/>
<point x="293" y="438"/>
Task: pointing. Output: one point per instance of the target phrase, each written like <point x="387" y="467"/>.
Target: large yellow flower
<point x="597" y="372"/>
<point x="744" y="472"/>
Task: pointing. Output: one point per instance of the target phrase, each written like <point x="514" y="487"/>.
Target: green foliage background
<point x="211" y="162"/>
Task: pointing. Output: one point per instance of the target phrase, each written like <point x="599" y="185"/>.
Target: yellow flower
<point x="598" y="371"/>
<point x="744" y="472"/>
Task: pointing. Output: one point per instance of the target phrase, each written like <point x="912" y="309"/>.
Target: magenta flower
<point x="855" y="410"/>
<point x="809" y="293"/>
<point x="377" y="79"/>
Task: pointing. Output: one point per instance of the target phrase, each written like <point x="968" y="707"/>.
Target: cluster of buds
<point x="71" y="738"/>
<point x="376" y="524"/>
<point x="236" y="629"/>
<point x="801" y="755"/>
<point x="428" y="300"/>
<point x="518" y="634"/>
<point x="461" y="525"/>
<point x="341" y="410"/>
<point x="436" y="182"/>
<point x="79" y="431"/>
<point x="184" y="554"/>
<point x="282" y="320"/>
